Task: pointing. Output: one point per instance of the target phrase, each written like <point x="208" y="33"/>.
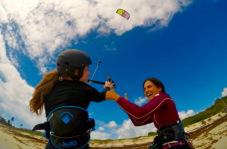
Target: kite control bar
<point x="98" y="82"/>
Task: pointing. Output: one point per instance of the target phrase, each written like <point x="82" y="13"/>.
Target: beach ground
<point x="213" y="135"/>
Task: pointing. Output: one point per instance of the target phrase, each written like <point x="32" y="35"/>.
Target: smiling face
<point x="150" y="89"/>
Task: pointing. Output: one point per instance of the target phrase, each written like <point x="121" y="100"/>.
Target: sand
<point x="14" y="140"/>
<point x="221" y="144"/>
<point x="213" y="135"/>
<point x="4" y="146"/>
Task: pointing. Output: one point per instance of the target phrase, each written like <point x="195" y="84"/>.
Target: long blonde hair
<point x="43" y="89"/>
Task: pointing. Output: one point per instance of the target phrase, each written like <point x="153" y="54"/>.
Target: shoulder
<point x="87" y="87"/>
<point x="64" y="82"/>
<point x="162" y="97"/>
<point x="71" y="85"/>
<point x="161" y="94"/>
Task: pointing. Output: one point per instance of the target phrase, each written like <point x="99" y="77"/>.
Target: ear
<point x="76" y="71"/>
<point x="159" y="88"/>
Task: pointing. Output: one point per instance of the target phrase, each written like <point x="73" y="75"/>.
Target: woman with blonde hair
<point x="65" y="95"/>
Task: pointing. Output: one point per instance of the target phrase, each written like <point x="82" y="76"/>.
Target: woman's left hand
<point x="126" y="97"/>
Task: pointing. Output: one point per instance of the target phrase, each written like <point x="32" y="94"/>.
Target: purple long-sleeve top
<point x="161" y="110"/>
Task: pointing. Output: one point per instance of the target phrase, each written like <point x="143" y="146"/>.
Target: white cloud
<point x="40" y="28"/>
<point x="101" y="128"/>
<point x="184" y="114"/>
<point x="111" y="124"/>
<point x="92" y="113"/>
<point x="98" y="122"/>
<point x="3" y="57"/>
<point x="43" y="26"/>
<point x="128" y="130"/>
<point x="99" y="135"/>
<point x="224" y="93"/>
<point x="141" y="101"/>
<point x="15" y="93"/>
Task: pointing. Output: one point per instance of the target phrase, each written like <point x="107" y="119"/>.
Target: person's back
<point x="66" y="96"/>
<point x="67" y="92"/>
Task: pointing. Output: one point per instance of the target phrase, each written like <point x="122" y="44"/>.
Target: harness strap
<point x="46" y="126"/>
<point x="169" y="125"/>
<point x="172" y="144"/>
<point x="87" y="132"/>
<point x="57" y="122"/>
<point x="43" y="126"/>
<point x="91" y="124"/>
<point x="169" y="133"/>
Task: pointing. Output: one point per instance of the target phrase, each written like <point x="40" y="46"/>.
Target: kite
<point x="123" y="13"/>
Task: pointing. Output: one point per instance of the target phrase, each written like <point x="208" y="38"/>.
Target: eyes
<point x="149" y="86"/>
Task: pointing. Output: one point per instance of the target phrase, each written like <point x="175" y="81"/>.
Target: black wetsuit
<point x="69" y="93"/>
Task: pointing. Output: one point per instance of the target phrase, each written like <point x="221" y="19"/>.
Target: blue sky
<point x="181" y="42"/>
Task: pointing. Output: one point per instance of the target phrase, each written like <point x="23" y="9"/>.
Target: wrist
<point x="106" y="89"/>
<point x="116" y="97"/>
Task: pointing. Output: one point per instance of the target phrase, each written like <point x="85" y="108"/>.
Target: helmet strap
<point x="76" y="78"/>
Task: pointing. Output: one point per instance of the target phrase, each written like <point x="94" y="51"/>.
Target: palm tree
<point x="9" y="122"/>
<point x="12" y="119"/>
<point x="3" y="120"/>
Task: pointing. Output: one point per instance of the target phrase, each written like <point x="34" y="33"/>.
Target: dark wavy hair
<point x="157" y="83"/>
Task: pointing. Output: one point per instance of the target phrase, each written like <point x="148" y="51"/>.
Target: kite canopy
<point x="123" y="13"/>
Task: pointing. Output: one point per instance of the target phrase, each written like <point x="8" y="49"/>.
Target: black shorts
<point x="180" y="147"/>
<point x="50" y="146"/>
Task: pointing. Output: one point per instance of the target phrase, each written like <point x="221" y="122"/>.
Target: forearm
<point x="106" y="89"/>
<point x="103" y="93"/>
<point x="141" y="122"/>
<point x="135" y="111"/>
<point x="99" y="96"/>
<point x="130" y="108"/>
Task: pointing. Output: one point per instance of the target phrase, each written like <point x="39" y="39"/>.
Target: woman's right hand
<point x="112" y="95"/>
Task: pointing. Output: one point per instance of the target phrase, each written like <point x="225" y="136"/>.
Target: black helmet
<point x="69" y="60"/>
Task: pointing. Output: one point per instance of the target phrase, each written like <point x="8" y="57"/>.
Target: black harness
<point x="168" y="133"/>
<point x="68" y="127"/>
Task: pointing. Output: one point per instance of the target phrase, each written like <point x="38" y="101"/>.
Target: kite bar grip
<point x="97" y="82"/>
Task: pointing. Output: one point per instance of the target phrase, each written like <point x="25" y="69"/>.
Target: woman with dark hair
<point x="161" y="110"/>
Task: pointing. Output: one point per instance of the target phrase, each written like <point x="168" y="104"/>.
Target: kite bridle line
<point x="98" y="62"/>
<point x="124" y="14"/>
<point x="101" y="59"/>
<point x="110" y="62"/>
